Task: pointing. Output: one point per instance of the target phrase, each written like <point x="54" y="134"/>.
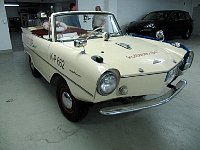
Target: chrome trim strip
<point x="61" y="72"/>
<point x="145" y="104"/>
<point x="124" y="45"/>
<point x="142" y="74"/>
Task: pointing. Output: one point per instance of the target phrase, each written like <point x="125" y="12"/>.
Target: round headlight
<point x="170" y="76"/>
<point x="188" y="60"/>
<point x="151" y="25"/>
<point x="107" y="83"/>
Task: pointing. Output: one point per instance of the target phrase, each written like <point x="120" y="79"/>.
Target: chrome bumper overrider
<point x="145" y="104"/>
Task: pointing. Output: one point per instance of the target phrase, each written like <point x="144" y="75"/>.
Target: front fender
<point x="78" y="69"/>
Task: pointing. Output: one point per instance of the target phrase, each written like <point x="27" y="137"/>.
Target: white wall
<point x="111" y="6"/>
<point x="106" y="5"/>
<point x="90" y="5"/>
<point x="196" y="16"/>
<point x="4" y="32"/>
<point x="195" y="3"/>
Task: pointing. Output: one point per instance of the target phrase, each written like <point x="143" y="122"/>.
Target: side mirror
<point x="80" y="43"/>
<point x="160" y="35"/>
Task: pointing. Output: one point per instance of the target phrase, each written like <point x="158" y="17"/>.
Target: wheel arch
<point x="76" y="90"/>
<point x="56" y="79"/>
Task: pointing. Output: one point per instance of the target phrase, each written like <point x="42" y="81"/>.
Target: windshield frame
<point x="54" y="15"/>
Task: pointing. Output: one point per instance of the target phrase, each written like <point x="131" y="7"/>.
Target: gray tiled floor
<point x="16" y="40"/>
<point x="30" y="117"/>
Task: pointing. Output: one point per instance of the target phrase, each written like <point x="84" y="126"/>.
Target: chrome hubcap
<point x="67" y="100"/>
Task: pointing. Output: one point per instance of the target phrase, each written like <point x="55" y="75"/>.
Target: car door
<point x="41" y="49"/>
<point x="172" y="25"/>
<point x="182" y="24"/>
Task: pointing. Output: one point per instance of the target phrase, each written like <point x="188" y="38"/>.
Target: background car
<point x="171" y="22"/>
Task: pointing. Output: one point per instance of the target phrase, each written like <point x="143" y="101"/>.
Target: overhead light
<point x="11" y="5"/>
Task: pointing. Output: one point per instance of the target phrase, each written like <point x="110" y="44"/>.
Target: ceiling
<point x="35" y="1"/>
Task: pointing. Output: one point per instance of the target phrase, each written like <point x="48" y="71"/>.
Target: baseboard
<point x="6" y="51"/>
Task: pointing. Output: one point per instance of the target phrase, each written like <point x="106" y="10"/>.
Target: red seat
<point x="40" y="32"/>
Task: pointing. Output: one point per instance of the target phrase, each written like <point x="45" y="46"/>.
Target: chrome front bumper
<point x="145" y="104"/>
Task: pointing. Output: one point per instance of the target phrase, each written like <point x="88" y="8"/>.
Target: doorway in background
<point x="196" y="20"/>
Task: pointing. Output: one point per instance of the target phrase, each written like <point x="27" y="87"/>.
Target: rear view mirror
<point x="80" y="43"/>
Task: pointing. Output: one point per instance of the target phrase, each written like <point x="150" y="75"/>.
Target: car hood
<point x="133" y="55"/>
<point x="142" y="23"/>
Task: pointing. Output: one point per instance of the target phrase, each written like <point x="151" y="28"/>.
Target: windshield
<point x="70" y="26"/>
<point x="156" y="16"/>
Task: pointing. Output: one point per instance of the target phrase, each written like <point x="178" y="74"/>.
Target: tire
<point x="34" y="71"/>
<point x="187" y="34"/>
<point x="73" y="109"/>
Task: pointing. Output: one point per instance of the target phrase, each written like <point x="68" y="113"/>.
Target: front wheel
<point x="187" y="34"/>
<point x="73" y="109"/>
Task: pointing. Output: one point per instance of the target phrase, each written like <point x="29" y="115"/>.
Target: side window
<point x="181" y="16"/>
<point x="173" y="17"/>
<point x="187" y="16"/>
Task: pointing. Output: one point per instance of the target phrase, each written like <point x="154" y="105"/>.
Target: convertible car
<point x="90" y="66"/>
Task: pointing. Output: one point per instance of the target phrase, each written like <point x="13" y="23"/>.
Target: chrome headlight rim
<point x="101" y="81"/>
<point x="187" y="61"/>
<point x="171" y="75"/>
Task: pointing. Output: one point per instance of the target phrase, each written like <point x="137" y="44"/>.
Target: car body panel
<point x="142" y="63"/>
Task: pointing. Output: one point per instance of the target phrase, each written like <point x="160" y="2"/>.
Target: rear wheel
<point x="34" y="71"/>
<point x="187" y="34"/>
<point x="73" y="109"/>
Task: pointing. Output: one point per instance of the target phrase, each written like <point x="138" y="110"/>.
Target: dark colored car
<point x="171" y="22"/>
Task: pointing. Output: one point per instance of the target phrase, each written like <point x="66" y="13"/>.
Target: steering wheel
<point x="93" y="32"/>
<point x="96" y="30"/>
